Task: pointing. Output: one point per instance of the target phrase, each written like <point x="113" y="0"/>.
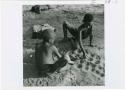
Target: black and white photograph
<point x="63" y="45"/>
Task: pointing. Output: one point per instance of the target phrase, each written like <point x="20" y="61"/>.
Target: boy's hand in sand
<point x="66" y="57"/>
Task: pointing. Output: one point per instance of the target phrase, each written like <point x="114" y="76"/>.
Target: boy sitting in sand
<point x="44" y="54"/>
<point x="82" y="32"/>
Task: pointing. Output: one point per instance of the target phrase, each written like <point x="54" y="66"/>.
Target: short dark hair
<point x="47" y="35"/>
<point x="88" y="17"/>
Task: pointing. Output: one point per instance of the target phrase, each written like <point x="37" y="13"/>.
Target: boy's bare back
<point x="45" y="54"/>
<point x="46" y="50"/>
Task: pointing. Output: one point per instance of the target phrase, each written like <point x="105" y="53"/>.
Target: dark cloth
<point x="50" y="68"/>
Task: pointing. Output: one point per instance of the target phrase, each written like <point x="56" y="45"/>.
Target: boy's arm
<point x="91" y="36"/>
<point x="57" y="52"/>
<point x="80" y="41"/>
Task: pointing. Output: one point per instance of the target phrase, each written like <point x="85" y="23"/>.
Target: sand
<point x="89" y="72"/>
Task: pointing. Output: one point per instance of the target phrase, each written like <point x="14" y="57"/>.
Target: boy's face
<point x="88" y="18"/>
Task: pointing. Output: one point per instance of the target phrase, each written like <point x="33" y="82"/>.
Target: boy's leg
<point x="58" y="64"/>
<point x="61" y="62"/>
<point x="69" y="27"/>
<point x="65" y="30"/>
<point x="44" y="69"/>
<point x="75" y="44"/>
<point x="62" y="65"/>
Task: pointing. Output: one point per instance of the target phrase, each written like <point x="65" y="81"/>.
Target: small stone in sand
<point x="102" y="75"/>
<point x="97" y="72"/>
<point x="31" y="56"/>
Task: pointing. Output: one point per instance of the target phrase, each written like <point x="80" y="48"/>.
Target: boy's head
<point x="49" y="36"/>
<point x="38" y="30"/>
<point x="88" y="17"/>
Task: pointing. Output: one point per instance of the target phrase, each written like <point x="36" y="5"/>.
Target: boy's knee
<point x="91" y="37"/>
<point x="66" y="24"/>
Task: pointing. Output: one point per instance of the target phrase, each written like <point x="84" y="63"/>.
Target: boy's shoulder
<point x="53" y="46"/>
<point x="82" y="26"/>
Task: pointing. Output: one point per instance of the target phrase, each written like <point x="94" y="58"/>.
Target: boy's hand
<point x="66" y="57"/>
<point x="56" y="52"/>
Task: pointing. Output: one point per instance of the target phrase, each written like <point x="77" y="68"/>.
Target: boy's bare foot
<point x="66" y="67"/>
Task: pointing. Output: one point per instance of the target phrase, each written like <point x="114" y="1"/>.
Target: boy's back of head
<point x="88" y="17"/>
<point x="48" y="35"/>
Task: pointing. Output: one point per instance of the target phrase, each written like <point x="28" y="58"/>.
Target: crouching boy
<point x="82" y="32"/>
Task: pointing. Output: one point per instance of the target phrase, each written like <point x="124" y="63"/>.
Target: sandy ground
<point x="93" y="71"/>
